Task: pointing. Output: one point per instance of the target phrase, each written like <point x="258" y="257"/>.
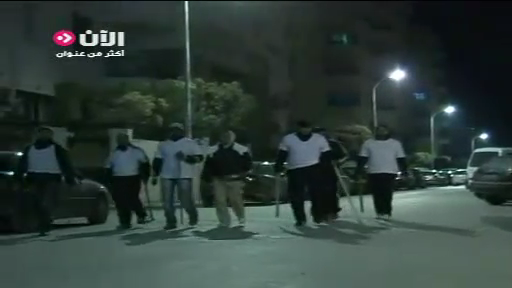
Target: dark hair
<point x="303" y="124"/>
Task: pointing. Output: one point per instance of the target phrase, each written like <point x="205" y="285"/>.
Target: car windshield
<point x="503" y="162"/>
<point x="481" y="158"/>
<point x="460" y="172"/>
<point x="8" y="162"/>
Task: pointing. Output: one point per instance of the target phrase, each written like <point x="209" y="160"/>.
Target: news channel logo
<point x="105" y="38"/>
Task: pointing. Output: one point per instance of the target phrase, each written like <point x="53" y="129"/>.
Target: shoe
<point x="386" y="217"/>
<point x="241" y="222"/>
<point x="192" y="223"/>
<point x="43" y="233"/>
<point x="299" y="224"/>
<point x="142" y="220"/>
<point x="333" y="217"/>
<point x="379" y="217"/>
<point x="170" y="226"/>
<point x="124" y="226"/>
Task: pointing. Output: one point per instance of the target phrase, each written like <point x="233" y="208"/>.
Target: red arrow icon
<point x="64" y="38"/>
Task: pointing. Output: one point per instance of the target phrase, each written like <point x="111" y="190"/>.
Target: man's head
<point x="176" y="131"/>
<point x="304" y="127"/>
<point x="123" y="139"/>
<point x="44" y="134"/>
<point x="382" y="132"/>
<point x="227" y="137"/>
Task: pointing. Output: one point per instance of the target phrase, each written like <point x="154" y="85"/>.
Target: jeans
<point x="229" y="192"/>
<point x="184" y="187"/>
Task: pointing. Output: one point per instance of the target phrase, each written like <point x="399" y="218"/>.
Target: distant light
<point x="483" y="136"/>
<point x="397" y="75"/>
<point x="449" y="109"/>
<point x="10" y="173"/>
<point x="19" y="153"/>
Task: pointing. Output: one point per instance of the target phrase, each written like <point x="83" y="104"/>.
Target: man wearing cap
<point x="42" y="166"/>
<point x="330" y="181"/>
<point x="174" y="163"/>
<point x="303" y="151"/>
<point x="227" y="165"/>
<point x="127" y="166"/>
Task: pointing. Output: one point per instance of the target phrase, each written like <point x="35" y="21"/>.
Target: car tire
<point x="100" y="211"/>
<point x="495" y="201"/>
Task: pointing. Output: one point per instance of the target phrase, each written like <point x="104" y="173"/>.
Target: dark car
<point x="492" y="182"/>
<point x="259" y="186"/>
<point x="413" y="180"/>
<point x="87" y="199"/>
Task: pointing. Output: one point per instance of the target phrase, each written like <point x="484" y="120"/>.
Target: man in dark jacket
<point x="41" y="167"/>
<point x="127" y="167"/>
<point x="226" y="165"/>
<point x="338" y="153"/>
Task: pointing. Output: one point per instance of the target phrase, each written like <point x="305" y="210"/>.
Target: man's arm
<point x="327" y="155"/>
<point x="22" y="166"/>
<point x="401" y="159"/>
<point x="196" y="156"/>
<point x="144" y="165"/>
<point x="158" y="161"/>
<point x="362" y="159"/>
<point x="65" y="164"/>
<point x="282" y="155"/>
<point x="247" y="161"/>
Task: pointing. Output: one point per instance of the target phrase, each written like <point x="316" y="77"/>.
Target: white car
<point x="459" y="177"/>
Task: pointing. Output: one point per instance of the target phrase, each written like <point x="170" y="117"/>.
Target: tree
<point x="353" y="136"/>
<point x="160" y="102"/>
<point x="421" y="159"/>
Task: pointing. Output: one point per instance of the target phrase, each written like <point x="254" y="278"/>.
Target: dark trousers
<point x="125" y="193"/>
<point x="330" y="182"/>
<point x="307" y="179"/>
<point x="381" y="186"/>
<point x="44" y="189"/>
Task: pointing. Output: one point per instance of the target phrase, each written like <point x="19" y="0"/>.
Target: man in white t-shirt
<point x="303" y="151"/>
<point x="127" y="167"/>
<point x="384" y="157"/>
<point x="174" y="163"/>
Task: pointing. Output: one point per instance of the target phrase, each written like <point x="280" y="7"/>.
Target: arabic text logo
<point x="64" y="38"/>
<point x="104" y="38"/>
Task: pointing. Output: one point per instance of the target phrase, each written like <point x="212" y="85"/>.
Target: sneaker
<point x="124" y="226"/>
<point x="299" y="224"/>
<point x="192" y="223"/>
<point x="241" y="222"/>
<point x="169" y="226"/>
<point x="379" y="217"/>
<point x="142" y="220"/>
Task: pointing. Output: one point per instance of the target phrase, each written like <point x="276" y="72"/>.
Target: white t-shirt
<point x="382" y="155"/>
<point x="43" y="160"/>
<point x="303" y="153"/>
<point x="126" y="163"/>
<point x="172" y="168"/>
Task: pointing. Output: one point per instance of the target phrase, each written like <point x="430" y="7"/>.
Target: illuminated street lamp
<point x="396" y="75"/>
<point x="484" y="136"/>
<point x="448" y="110"/>
<point x="188" y="71"/>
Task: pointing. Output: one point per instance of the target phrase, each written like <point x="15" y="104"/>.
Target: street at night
<point x="440" y="237"/>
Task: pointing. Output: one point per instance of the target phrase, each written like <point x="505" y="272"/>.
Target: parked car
<point x="492" y="182"/>
<point x="259" y="186"/>
<point x="458" y="177"/>
<point x="88" y="199"/>
<point x="413" y="180"/>
<point x="434" y="178"/>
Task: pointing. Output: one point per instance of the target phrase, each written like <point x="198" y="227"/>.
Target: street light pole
<point x="447" y="110"/>
<point x="482" y="136"/>
<point x="374" y="104"/>
<point x="188" y="72"/>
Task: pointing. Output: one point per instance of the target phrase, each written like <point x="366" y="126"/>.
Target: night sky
<point x="478" y="42"/>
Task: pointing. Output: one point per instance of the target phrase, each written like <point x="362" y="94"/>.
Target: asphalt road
<point x="439" y="238"/>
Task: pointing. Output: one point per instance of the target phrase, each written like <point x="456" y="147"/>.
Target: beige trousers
<point x="231" y="191"/>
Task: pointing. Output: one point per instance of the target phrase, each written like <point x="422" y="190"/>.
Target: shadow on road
<point x="432" y="228"/>
<point x="18" y="240"/>
<point x="235" y="233"/>
<point x="500" y="222"/>
<point x="137" y="239"/>
<point x="95" y="234"/>
<point x="328" y="233"/>
<point x="362" y="229"/>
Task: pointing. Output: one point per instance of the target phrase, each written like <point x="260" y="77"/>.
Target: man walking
<point x="227" y="164"/>
<point x="385" y="157"/>
<point x="303" y="151"/>
<point x="128" y="166"/>
<point x="42" y="166"/>
<point x="338" y="154"/>
<point x="174" y="162"/>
